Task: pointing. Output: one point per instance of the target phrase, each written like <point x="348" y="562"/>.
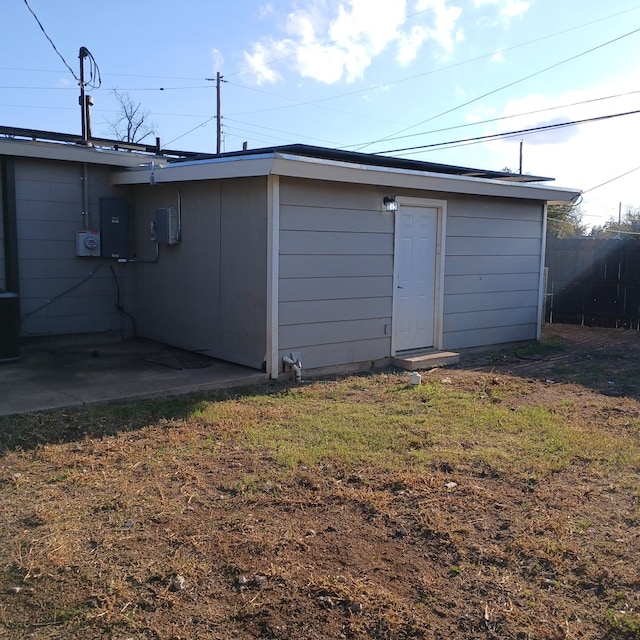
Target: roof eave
<point x="296" y="166"/>
<point x="69" y="152"/>
<point x="318" y="169"/>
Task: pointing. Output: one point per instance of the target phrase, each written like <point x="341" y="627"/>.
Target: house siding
<point x="335" y="274"/>
<point x="61" y="293"/>
<point x="492" y="265"/>
<point x="207" y="293"/>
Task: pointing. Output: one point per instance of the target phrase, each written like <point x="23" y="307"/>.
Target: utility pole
<point x="218" y="80"/>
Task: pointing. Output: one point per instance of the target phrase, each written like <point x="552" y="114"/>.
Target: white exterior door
<point x="415" y="277"/>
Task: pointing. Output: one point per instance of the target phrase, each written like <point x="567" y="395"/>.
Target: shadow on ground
<point x="603" y="360"/>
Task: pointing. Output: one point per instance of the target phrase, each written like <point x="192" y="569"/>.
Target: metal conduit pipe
<point x="85" y="196"/>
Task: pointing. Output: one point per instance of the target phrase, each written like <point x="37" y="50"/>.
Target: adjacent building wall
<point x="336" y="271"/>
<point x="59" y="292"/>
<point x="207" y="293"/>
<point x="492" y="271"/>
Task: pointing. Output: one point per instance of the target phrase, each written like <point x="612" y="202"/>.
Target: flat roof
<point x="138" y="162"/>
<point x="373" y="159"/>
<point x="70" y="141"/>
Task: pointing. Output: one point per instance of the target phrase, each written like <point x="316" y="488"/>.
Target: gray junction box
<point x="166" y="227"/>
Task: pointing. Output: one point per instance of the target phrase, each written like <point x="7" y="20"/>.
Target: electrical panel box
<point x="88" y="243"/>
<point x="114" y="228"/>
<point x="166" y="226"/>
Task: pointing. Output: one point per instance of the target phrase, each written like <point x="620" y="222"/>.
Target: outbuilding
<point x="341" y="260"/>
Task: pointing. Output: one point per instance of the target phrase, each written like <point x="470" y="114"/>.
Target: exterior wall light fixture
<point x="390" y="203"/>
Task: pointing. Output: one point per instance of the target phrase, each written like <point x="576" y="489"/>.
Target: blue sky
<point x="369" y="75"/>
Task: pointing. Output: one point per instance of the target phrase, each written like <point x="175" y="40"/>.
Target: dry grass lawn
<point x="499" y="499"/>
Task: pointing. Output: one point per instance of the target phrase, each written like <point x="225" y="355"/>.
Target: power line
<point x="506" y="86"/>
<point x="515" y="115"/>
<point x="510" y="134"/>
<point x="432" y="71"/>
<point x="186" y="133"/>
<point x="314" y="102"/>
<point x="296" y="103"/>
<point x="249" y="124"/>
<point x="622" y="175"/>
<point x="51" y="41"/>
<point x="408" y="16"/>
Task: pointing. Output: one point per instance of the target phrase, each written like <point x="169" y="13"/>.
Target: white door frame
<point x="438" y="303"/>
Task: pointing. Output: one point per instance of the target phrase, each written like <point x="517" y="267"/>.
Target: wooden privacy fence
<point x="593" y="282"/>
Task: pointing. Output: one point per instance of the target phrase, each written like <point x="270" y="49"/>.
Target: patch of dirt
<point x="98" y="540"/>
<point x="605" y="360"/>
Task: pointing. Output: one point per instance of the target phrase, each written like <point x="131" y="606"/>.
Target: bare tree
<point x="131" y="122"/>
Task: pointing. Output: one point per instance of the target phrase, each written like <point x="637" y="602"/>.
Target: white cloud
<point x="266" y="10"/>
<point x="258" y="61"/>
<point x="506" y="9"/>
<point x="337" y="40"/>
<point x="218" y="59"/>
<point x="445" y="17"/>
<point x="514" y="8"/>
<point x="408" y="45"/>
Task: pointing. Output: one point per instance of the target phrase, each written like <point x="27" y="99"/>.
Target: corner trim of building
<point x="273" y="274"/>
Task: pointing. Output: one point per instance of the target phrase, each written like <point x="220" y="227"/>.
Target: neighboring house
<point x="253" y="255"/>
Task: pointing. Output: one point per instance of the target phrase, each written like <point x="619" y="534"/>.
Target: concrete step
<point x="425" y="359"/>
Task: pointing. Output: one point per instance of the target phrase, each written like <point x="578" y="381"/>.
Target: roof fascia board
<point x="304" y="167"/>
<point x="295" y="166"/>
<point x="70" y="153"/>
<point x="199" y="170"/>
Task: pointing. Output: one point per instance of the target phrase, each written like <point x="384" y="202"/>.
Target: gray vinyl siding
<point x="59" y="292"/>
<point x="492" y="267"/>
<point x="207" y="293"/>
<point x="335" y="274"/>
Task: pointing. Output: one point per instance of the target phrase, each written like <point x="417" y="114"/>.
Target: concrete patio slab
<point x="54" y="375"/>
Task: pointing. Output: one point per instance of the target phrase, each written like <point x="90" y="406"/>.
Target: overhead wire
<point x="408" y="16"/>
<point x="511" y="134"/>
<point x="509" y="117"/>
<point x="315" y="102"/>
<point x="186" y="133"/>
<point x="248" y="124"/>
<point x="391" y="83"/>
<point x="506" y="86"/>
<point x="95" y="79"/>
<point x="66" y="64"/>
<point x="602" y="184"/>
